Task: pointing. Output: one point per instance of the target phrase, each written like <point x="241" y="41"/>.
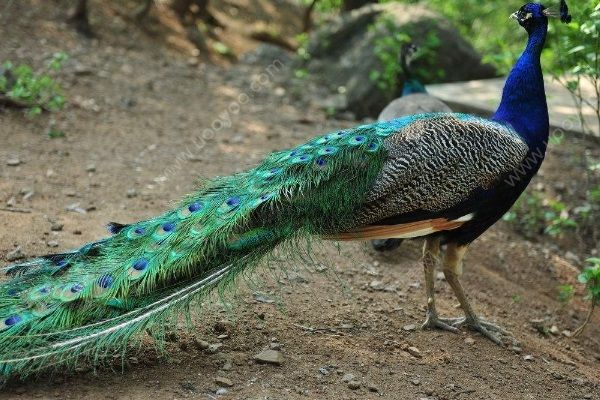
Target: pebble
<point x="528" y="357"/>
<point x="224" y="327"/>
<point x="324" y="371"/>
<point x="187" y="385"/>
<point x="269" y="357"/>
<point x="353" y="385"/>
<point x="567" y="333"/>
<point x="469" y="341"/>
<point x="221" y="392"/>
<point x="554" y="330"/>
<point x="91" y="168"/>
<point x="347" y="377"/>
<point x="415" y="382"/>
<point x="214" y="348"/>
<point x="409" y="328"/>
<point x="224" y="382"/>
<point x="517" y="349"/>
<point x="227" y="366"/>
<point x="201" y="344"/>
<point x="56" y="227"/>
<point x="14" y="255"/>
<point x="415" y="352"/>
<point x="52" y="243"/>
<point x="131" y="193"/>
<point x="13" y="161"/>
<point x="76" y="207"/>
<point x="372" y="388"/>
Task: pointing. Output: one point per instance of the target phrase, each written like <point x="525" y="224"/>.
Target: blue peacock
<point x="442" y="176"/>
<point x="413" y="99"/>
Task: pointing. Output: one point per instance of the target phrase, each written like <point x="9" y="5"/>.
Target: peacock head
<point x="532" y="15"/>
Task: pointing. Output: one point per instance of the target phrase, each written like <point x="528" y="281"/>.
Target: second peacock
<point x="445" y="177"/>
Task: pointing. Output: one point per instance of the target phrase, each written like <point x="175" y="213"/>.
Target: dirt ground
<point x="135" y="108"/>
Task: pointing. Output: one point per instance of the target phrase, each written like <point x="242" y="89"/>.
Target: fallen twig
<point x="16" y="210"/>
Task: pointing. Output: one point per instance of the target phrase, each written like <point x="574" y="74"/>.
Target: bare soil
<point x="135" y="108"/>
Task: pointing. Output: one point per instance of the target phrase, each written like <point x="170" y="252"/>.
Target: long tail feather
<point x="90" y="302"/>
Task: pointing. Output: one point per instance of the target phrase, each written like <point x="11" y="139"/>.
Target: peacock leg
<point x="452" y="265"/>
<point x="431" y="256"/>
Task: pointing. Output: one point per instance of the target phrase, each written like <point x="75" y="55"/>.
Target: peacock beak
<point x="514" y="15"/>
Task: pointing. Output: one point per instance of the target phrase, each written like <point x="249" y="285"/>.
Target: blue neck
<point x="523" y="104"/>
<point x="412" y="86"/>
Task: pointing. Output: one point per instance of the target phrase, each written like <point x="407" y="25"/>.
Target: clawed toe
<point x="487" y="329"/>
<point x="434" y="322"/>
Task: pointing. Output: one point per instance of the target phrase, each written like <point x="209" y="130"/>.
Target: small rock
<point x="221" y="392"/>
<point x="269" y="357"/>
<point x="324" y="371"/>
<point x="56" y="227"/>
<point x="440" y="276"/>
<point x="372" y="388"/>
<point x="275" y="346"/>
<point x="214" y="348"/>
<point x="347" y="377"/>
<point x="415" y="381"/>
<point x="201" y="344"/>
<point x="554" y="330"/>
<point x="75" y="207"/>
<point x="223" y="327"/>
<point x="189" y="386"/>
<point x="567" y="333"/>
<point x="415" y="352"/>
<point x="409" y="328"/>
<point x="14" y="255"/>
<point x="469" y="341"/>
<point x="223" y="382"/>
<point x="227" y="366"/>
<point x="528" y="357"/>
<point x="91" y="168"/>
<point x="28" y="194"/>
<point x="11" y="202"/>
<point x="131" y="193"/>
<point x="13" y="161"/>
<point x="354" y="385"/>
<point x="52" y="243"/>
<point x="517" y="349"/>
<point x="70" y="192"/>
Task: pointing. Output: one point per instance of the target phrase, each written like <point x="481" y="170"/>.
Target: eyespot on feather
<point x="138" y="268"/>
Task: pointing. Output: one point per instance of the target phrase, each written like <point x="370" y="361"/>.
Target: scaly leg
<point x="431" y="256"/>
<point x="452" y="265"/>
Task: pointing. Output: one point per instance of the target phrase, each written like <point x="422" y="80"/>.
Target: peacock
<point x="413" y="99"/>
<point x="442" y="176"/>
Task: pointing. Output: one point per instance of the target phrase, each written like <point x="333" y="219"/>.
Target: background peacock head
<point x="533" y="14"/>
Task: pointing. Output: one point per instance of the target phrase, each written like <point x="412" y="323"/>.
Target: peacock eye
<point x="528" y="15"/>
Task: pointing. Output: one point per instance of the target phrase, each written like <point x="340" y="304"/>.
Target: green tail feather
<point x="57" y="309"/>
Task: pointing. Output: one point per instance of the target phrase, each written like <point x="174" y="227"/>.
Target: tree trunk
<point x="307" y="19"/>
<point x="79" y="18"/>
<point x="349" y="5"/>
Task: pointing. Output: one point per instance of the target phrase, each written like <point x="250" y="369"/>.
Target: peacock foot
<point x="434" y="322"/>
<point x="487" y="329"/>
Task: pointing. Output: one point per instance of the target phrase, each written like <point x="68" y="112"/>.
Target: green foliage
<point x="591" y="278"/>
<point x="36" y="91"/>
<point x="576" y="58"/>
<point x="387" y="48"/>
<point x="485" y="24"/>
<point x="326" y="5"/>
<point x="533" y="214"/>
<point x="303" y="40"/>
<point x="565" y="293"/>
